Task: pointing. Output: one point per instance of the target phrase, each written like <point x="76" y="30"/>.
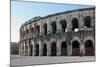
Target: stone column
<point x="69" y="48"/>
<point x="26" y="32"/>
<point x="69" y="43"/>
<point x="20" y="49"/>
<point x="41" y="28"/>
<point x="58" y="47"/>
<point x="81" y="22"/>
<point x="23" y="33"/>
<point x="28" y="48"/>
<point x="24" y="49"/>
<point x="49" y="49"/>
<point x="48" y="26"/>
<point x="59" y="29"/>
<point x="30" y="32"/>
<point x="69" y="22"/>
<point x="82" y="48"/>
<point x="20" y="34"/>
<point x="40" y="48"/>
<point x="33" y="43"/>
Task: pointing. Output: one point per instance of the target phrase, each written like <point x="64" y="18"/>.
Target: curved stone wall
<point x="70" y="33"/>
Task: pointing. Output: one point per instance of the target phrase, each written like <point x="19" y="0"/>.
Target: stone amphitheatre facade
<point x="69" y="33"/>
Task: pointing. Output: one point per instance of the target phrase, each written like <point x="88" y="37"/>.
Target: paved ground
<point x="30" y="60"/>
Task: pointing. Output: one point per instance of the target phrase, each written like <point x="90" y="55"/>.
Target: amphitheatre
<point x="68" y="33"/>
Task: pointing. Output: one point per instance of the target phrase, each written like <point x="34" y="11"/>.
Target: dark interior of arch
<point x="53" y="49"/>
<point x="89" y="44"/>
<point x="45" y="28"/>
<point x="63" y="24"/>
<point x="75" y="48"/>
<point x="74" y="23"/>
<point x="63" y="49"/>
<point x="38" y="29"/>
<point x="75" y="44"/>
<point x="54" y="27"/>
<point x="89" y="50"/>
<point x="87" y="21"/>
<point x="37" y="50"/>
<point x="45" y="50"/>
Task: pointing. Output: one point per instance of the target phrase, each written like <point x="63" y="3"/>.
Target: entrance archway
<point x="89" y="51"/>
<point x="64" y="49"/>
<point x="53" y="49"/>
<point x="45" y="50"/>
<point x="37" y="50"/>
<point x="75" y="24"/>
<point x="75" y="48"/>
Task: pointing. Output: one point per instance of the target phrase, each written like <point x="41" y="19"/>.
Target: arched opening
<point x="45" y="50"/>
<point x="38" y="30"/>
<point x="63" y="25"/>
<point x="53" y="49"/>
<point x="45" y="28"/>
<point x="64" y="49"/>
<point x="75" y="48"/>
<point x="89" y="51"/>
<point x="75" y="24"/>
<point x="87" y="21"/>
<point x="54" y="27"/>
<point x="37" y="50"/>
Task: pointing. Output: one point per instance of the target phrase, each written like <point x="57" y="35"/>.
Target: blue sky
<point x="23" y="11"/>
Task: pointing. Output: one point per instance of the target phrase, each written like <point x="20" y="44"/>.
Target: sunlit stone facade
<point x="69" y="33"/>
